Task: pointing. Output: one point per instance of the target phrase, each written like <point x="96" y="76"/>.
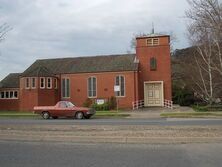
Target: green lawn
<point x="191" y="114"/>
<point x="110" y="114"/>
<point x="18" y="114"/>
<point x="99" y="114"/>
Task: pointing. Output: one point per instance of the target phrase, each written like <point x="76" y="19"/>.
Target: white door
<point x="153" y="94"/>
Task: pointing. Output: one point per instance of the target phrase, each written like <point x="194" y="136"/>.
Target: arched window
<point x="153" y="64"/>
<point x="92" y="87"/>
<point x="120" y="81"/>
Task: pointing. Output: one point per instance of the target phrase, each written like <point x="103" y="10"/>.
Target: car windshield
<point x="69" y="105"/>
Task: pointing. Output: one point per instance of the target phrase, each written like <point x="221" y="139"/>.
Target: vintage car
<point x="64" y="109"/>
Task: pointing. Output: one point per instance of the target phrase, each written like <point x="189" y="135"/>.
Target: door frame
<point x="152" y="82"/>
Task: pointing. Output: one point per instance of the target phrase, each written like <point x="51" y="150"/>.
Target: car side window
<point x="63" y="105"/>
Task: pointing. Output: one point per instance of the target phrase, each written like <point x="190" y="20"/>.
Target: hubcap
<point x="46" y="115"/>
<point x="79" y="115"/>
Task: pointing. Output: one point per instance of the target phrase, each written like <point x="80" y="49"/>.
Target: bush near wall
<point x="207" y="108"/>
<point x="110" y="104"/>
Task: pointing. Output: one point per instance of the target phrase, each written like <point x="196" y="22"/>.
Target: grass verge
<point x="110" y="114"/>
<point x="191" y="114"/>
<point x="17" y="114"/>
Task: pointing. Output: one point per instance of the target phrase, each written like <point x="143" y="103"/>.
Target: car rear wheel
<point x="79" y="115"/>
<point x="45" y="115"/>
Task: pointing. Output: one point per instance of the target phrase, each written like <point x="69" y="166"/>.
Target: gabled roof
<point x="110" y="63"/>
<point x="10" y="81"/>
<point x="38" y="71"/>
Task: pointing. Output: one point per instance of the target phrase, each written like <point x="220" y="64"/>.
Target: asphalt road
<point x="161" y="122"/>
<point x="22" y="154"/>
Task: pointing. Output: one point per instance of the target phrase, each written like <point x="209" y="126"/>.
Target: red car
<point x="64" y="109"/>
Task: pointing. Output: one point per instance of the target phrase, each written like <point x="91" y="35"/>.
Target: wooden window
<point x="153" y="64"/>
<point x="153" y="41"/>
<point x="33" y="83"/>
<point x="65" y="88"/>
<point x="42" y="83"/>
<point x="92" y="87"/>
<point x="120" y="81"/>
<point x="27" y="83"/>
<point x="49" y="83"/>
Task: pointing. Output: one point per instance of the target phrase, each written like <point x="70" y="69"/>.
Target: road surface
<point x="161" y="122"/>
<point x="31" y="154"/>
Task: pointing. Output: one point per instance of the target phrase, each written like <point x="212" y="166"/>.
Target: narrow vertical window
<point x="16" y="94"/>
<point x="120" y="81"/>
<point x="27" y="84"/>
<point x="92" y="87"/>
<point x="6" y="94"/>
<point x="2" y="95"/>
<point x="42" y="83"/>
<point x="153" y="64"/>
<point x="49" y="83"/>
<point x="11" y="94"/>
<point x="33" y="83"/>
<point x="55" y="83"/>
<point x="65" y="88"/>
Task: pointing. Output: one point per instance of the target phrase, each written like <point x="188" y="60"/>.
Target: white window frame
<point x="32" y="82"/>
<point x="40" y="83"/>
<point x="27" y="87"/>
<point x="92" y="87"/>
<point x="49" y="79"/>
<point x="152" y="42"/>
<point x="66" y="92"/>
<point x="124" y="80"/>
<point x="13" y="94"/>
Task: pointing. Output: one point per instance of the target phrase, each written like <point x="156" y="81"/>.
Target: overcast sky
<point x="70" y="28"/>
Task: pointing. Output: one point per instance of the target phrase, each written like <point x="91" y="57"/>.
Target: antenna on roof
<point x="153" y="30"/>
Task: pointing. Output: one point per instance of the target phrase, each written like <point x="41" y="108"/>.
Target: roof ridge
<point x="83" y="57"/>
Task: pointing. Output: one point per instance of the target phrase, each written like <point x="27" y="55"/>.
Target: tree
<point x="205" y="33"/>
<point x="4" y="29"/>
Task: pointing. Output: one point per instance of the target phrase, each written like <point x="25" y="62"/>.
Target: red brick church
<point x="145" y="75"/>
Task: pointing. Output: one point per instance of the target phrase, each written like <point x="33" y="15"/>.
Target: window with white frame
<point x="49" y="83"/>
<point x="65" y="88"/>
<point x="9" y="94"/>
<point x="92" y="87"/>
<point x="120" y="81"/>
<point x="33" y="83"/>
<point x="42" y="83"/>
<point x="27" y="83"/>
<point x="153" y="41"/>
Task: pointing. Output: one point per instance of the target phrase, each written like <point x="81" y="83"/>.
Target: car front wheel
<point x="46" y="115"/>
<point x="79" y="115"/>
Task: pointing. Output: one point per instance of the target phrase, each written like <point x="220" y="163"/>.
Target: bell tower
<point x="153" y="53"/>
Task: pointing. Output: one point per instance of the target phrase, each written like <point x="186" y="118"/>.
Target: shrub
<point x="183" y="96"/>
<point x="207" y="108"/>
<point x="101" y="107"/>
<point x="88" y="103"/>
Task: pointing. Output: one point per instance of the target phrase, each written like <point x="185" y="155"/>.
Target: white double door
<point x="153" y="94"/>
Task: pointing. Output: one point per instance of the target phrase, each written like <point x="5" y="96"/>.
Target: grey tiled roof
<point x="110" y="63"/>
<point x="10" y="81"/>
